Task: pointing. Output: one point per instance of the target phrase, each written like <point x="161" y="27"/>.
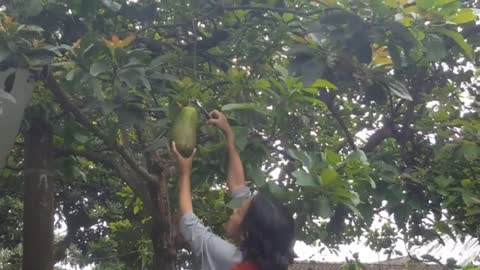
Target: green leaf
<point x="239" y="106"/>
<point x="323" y="207"/>
<point x="300" y="156"/>
<point x="97" y="89"/>
<point x="258" y="176"/>
<point x="31" y="8"/>
<point x="438" y="3"/>
<point x="473" y="211"/>
<point x="354" y="210"/>
<point x="78" y="173"/>
<point x="402" y="36"/>
<point x="332" y="157"/>
<point x="262" y="84"/>
<point x="241" y="137"/>
<point x="88" y="8"/>
<point x="425" y="4"/>
<point x="4" y="53"/>
<point x="7" y="96"/>
<point x="459" y="39"/>
<point x="470" y="199"/>
<point x="471" y="151"/>
<point x="465" y="15"/>
<point x="314" y="101"/>
<point x="329" y="176"/>
<point x="443" y="181"/>
<point x="163" y="77"/>
<point x="355" y="198"/>
<point x="32" y="28"/>
<point x="434" y="47"/>
<point x="312" y="70"/>
<point x="98" y="68"/>
<point x="81" y="138"/>
<point x="112" y="5"/>
<point x="391" y="3"/>
<point x="136" y="209"/>
<point x="304" y="179"/>
<point x="443" y="228"/>
<point x="399" y="89"/>
<point x="359" y="155"/>
<point x="71" y="74"/>
<point x="321" y="83"/>
<point x="131" y="76"/>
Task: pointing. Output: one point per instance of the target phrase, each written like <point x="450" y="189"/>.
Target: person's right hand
<point x="219" y="120"/>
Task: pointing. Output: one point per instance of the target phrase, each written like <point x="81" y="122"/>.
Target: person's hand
<point x="219" y="120"/>
<point x="184" y="165"/>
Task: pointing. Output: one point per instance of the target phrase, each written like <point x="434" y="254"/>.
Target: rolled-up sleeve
<point x="214" y="252"/>
<point x="241" y="192"/>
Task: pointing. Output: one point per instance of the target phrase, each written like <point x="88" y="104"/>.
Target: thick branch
<point x="68" y="105"/>
<point x="378" y="137"/>
<point x="328" y="100"/>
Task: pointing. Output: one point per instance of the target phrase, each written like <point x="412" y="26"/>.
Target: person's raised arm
<point x="235" y="175"/>
<point x="184" y="167"/>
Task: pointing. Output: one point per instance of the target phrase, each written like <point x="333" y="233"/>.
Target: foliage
<point x="343" y="109"/>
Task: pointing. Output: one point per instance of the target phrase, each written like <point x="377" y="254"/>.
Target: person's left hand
<point x="184" y="165"/>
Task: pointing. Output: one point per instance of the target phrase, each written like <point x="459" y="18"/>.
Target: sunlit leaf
<point x="463" y="16"/>
<point x="239" y="106"/>
<point x="329" y="176"/>
<point x="322" y="83"/>
<point x="399" y="89"/>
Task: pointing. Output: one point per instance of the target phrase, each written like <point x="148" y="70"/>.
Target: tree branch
<point x="274" y="9"/>
<point x="117" y="168"/>
<point x="378" y="137"/>
<point x="328" y="100"/>
<point x="68" y="105"/>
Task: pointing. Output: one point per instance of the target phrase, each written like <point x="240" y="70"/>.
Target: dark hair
<point x="267" y="234"/>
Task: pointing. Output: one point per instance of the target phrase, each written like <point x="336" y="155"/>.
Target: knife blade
<point x="202" y="108"/>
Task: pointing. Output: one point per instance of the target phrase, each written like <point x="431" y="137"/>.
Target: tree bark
<point x="38" y="198"/>
<point x="163" y="229"/>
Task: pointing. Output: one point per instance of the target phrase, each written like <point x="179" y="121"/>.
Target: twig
<point x="68" y="105"/>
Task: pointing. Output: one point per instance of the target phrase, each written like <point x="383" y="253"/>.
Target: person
<point x="261" y="228"/>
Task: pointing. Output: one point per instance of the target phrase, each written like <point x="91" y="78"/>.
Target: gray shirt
<point x="214" y="252"/>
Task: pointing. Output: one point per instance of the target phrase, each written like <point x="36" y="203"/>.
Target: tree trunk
<point x="163" y="231"/>
<point x="38" y="198"/>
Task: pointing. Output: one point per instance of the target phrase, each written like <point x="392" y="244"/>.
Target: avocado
<point x="184" y="131"/>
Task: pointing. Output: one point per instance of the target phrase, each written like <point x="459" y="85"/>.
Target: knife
<point x="202" y="109"/>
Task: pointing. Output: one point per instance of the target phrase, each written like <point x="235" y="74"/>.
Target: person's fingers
<point x="174" y="149"/>
<point x="170" y="151"/>
<point x="212" y="122"/>
<point x="215" y="114"/>
<point x="192" y="155"/>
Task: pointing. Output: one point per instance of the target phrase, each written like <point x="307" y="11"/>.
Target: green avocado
<point x="184" y="131"/>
